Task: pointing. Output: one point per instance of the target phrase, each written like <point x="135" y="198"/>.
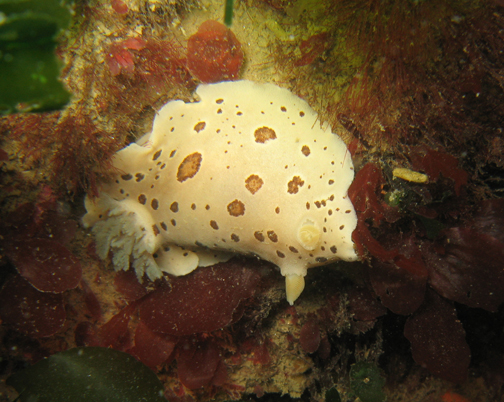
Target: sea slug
<point x="248" y="169"/>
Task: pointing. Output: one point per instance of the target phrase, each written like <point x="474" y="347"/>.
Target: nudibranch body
<point x="246" y="170"/>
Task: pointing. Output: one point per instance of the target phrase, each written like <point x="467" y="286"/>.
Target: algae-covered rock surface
<point x="416" y="92"/>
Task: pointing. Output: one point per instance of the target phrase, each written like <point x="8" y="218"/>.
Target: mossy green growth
<point x="432" y="226"/>
<point x="28" y="64"/>
<point x="88" y="374"/>
<point x="395" y="198"/>
<point x="332" y="395"/>
<point x="367" y="382"/>
<point x="312" y="9"/>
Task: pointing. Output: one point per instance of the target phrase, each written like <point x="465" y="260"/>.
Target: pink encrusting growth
<point x="119" y="57"/>
<point x="214" y="53"/>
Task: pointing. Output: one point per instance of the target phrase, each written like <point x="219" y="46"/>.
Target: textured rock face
<point x="246" y="170"/>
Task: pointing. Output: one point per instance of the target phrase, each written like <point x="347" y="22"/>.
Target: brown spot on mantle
<point x="236" y="208"/>
<point x="189" y="167"/>
<point x="294" y="184"/>
<point x="253" y="183"/>
<point x="199" y="126"/>
<point x="259" y="236"/>
<point x="272" y="236"/>
<point x="174" y="206"/>
<point x="264" y="134"/>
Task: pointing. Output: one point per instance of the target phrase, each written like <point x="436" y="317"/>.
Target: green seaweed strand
<point x="228" y="13"/>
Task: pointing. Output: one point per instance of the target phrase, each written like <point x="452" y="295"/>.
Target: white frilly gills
<point x="247" y="169"/>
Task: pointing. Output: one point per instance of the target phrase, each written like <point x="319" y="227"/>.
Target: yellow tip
<point x="294" y="285"/>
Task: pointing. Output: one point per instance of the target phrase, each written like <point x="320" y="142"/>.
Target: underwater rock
<point x="324" y="349"/>
<point x="91" y="301"/>
<point x="313" y="48"/>
<point x="310" y="336"/>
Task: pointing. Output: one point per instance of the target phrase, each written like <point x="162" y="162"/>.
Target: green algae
<point x="367" y="382"/>
<point x="28" y="64"/>
<point x="88" y="374"/>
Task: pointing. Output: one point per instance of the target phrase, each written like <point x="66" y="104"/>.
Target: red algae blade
<point x="34" y="313"/>
<point x="203" y="301"/>
<point x="46" y="264"/>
